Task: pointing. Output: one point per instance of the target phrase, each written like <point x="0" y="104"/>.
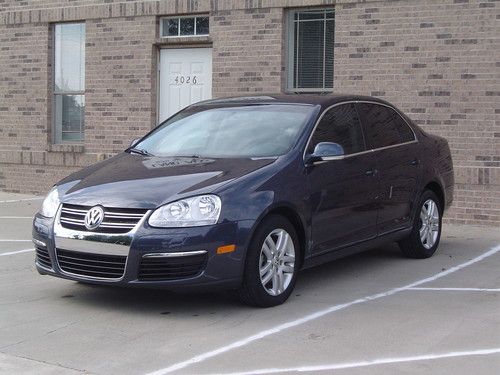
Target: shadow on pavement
<point x="158" y="301"/>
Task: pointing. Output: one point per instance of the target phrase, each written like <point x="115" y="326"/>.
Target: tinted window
<point x="404" y="130"/>
<point x="380" y="125"/>
<point x="340" y="125"/>
<point x="229" y="131"/>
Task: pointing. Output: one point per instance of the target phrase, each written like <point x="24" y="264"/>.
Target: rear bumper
<point x="169" y="247"/>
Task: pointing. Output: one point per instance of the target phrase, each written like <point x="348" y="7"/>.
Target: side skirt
<point x="357" y="248"/>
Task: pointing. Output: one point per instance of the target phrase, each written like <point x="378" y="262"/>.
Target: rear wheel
<point x="272" y="263"/>
<point x="423" y="240"/>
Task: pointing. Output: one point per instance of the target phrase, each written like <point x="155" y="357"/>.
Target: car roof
<point x="324" y="100"/>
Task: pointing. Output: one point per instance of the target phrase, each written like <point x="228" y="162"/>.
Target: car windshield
<point x="231" y="131"/>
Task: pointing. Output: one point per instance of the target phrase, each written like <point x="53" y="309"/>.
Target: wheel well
<point x="436" y="189"/>
<point x="294" y="218"/>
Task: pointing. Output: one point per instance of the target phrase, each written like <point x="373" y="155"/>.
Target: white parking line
<point x="16" y="217"/>
<point x="458" y="289"/>
<point x="2" y="240"/>
<point x="294" y="323"/>
<point x="374" y="362"/>
<point x="22" y="200"/>
<point x="16" y="252"/>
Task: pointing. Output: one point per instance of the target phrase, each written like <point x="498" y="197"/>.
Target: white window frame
<point x="291" y="38"/>
<point x="179" y="26"/>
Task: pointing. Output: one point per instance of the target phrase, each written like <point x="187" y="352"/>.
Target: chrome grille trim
<point x="93" y="243"/>
<point x="116" y="220"/>
<point x="74" y="211"/>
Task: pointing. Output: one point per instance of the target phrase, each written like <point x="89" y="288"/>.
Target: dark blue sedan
<point x="242" y="193"/>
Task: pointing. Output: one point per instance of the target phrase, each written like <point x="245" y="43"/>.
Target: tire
<point x="421" y="247"/>
<point x="255" y="291"/>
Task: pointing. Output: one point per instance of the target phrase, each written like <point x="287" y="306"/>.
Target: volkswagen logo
<point x="94" y="217"/>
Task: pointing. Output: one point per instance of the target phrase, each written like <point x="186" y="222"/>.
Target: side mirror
<point x="134" y="142"/>
<point x="325" y="151"/>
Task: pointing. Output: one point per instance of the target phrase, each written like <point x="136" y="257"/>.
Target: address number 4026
<point x="181" y="80"/>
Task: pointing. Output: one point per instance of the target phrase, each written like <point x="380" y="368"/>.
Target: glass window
<point x="201" y="25"/>
<point x="187" y="26"/>
<point x="69" y="82"/>
<point x="229" y="131"/>
<point x="404" y="129"/>
<point x="184" y="26"/>
<point x="171" y="27"/>
<point x="381" y="125"/>
<point x="340" y="125"/>
<point x="311" y="40"/>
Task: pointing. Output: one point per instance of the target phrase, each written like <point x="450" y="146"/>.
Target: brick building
<point x="80" y="79"/>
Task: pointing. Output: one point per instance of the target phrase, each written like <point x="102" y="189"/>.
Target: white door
<point x="185" y="78"/>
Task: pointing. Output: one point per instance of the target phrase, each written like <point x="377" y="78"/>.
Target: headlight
<point x="189" y="212"/>
<point x="50" y="203"/>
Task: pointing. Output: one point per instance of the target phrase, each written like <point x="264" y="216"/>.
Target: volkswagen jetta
<point x="242" y="193"/>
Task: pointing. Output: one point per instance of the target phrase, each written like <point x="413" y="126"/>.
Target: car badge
<point x="94" y="218"/>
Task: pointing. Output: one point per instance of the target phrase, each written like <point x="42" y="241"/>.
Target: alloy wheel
<point x="277" y="262"/>
<point x="429" y="230"/>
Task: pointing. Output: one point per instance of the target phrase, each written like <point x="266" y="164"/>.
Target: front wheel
<point x="423" y="240"/>
<point x="272" y="263"/>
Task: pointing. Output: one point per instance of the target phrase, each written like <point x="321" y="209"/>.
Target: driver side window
<point x="340" y="125"/>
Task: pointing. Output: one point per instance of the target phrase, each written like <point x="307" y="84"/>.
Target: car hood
<point x="129" y="180"/>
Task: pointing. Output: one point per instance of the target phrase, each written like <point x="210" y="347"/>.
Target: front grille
<point x="93" y="265"/>
<point x="43" y="257"/>
<point x="160" y="269"/>
<point x="116" y="220"/>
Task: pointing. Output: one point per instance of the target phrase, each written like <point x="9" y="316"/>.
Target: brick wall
<point x="119" y="81"/>
<point x="437" y="60"/>
<point x="247" y="53"/>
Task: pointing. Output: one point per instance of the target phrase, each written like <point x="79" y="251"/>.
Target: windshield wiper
<point x="140" y="151"/>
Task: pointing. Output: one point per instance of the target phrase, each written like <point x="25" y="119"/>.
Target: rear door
<point x="342" y="192"/>
<point x="396" y="152"/>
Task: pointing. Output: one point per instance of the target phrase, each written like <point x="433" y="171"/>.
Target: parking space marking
<point x="22" y="200"/>
<point x="294" y="323"/>
<point x="458" y="289"/>
<point x="16" y="217"/>
<point x="2" y="240"/>
<point x="16" y="252"/>
<point x="374" y="362"/>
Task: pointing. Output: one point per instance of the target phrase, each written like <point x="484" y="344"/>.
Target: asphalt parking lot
<point x="373" y="313"/>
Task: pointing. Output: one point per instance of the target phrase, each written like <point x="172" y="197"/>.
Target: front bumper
<point x="145" y="242"/>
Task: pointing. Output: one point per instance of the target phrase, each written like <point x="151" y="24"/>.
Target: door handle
<point x="371" y="172"/>
<point x="415" y="162"/>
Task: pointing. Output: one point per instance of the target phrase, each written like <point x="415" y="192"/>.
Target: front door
<point x="185" y="78"/>
<point x="343" y="193"/>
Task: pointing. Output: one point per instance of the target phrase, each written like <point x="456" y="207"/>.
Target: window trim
<point x="290" y="41"/>
<point x="194" y="17"/>
<point x="54" y="92"/>
<point x="331" y="158"/>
